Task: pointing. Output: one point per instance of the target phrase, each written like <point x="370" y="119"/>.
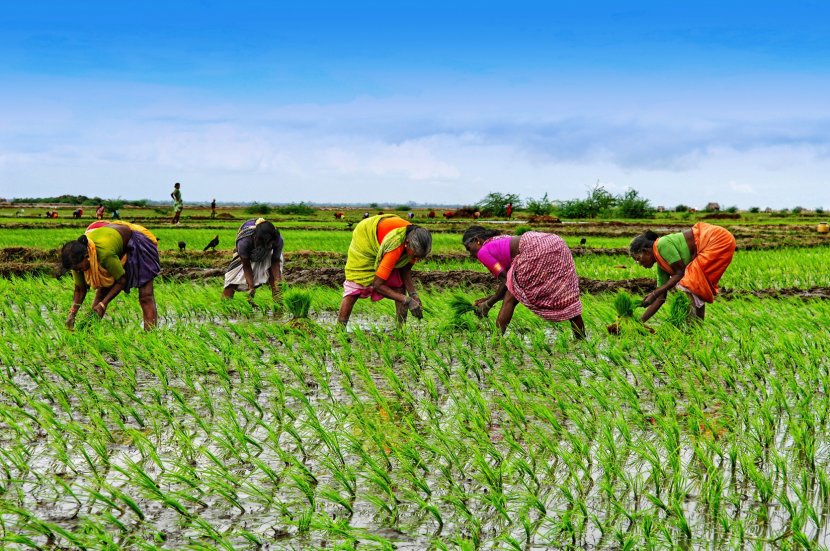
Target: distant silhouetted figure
<point x="182" y="245"/>
<point x="410" y="215"/>
<point x="99" y="212"/>
<point x="339" y="215"/>
<point x="115" y="214"/>
<point x="349" y="225"/>
<point x="431" y="214"/>
<point x="178" y="204"/>
<point x="77" y="213"/>
<point x="365" y="215"/>
<point x="509" y="210"/>
<point x="212" y="244"/>
<point x="213" y="209"/>
<point x="582" y="242"/>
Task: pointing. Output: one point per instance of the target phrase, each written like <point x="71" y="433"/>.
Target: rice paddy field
<point x="232" y="426"/>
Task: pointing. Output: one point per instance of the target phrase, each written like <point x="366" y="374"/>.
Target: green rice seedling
<point x="460" y="305"/>
<point x="680" y="310"/>
<point x="297" y="302"/>
<point x="624" y="305"/>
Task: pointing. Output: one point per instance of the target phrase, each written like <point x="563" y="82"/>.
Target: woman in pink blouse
<point x="536" y="269"/>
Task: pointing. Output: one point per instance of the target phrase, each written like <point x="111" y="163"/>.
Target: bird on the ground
<point x="582" y="242"/>
<point x="212" y="244"/>
<point x="182" y="245"/>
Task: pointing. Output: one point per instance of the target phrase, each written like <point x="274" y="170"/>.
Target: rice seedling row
<point x="228" y="428"/>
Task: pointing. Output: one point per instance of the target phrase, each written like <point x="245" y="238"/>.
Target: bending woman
<point x="536" y="269"/>
<point x="379" y="264"/>
<point x="112" y="257"/>
<point x="692" y="260"/>
<point x="257" y="259"/>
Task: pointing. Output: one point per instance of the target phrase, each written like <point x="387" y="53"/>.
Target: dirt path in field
<point x="326" y="269"/>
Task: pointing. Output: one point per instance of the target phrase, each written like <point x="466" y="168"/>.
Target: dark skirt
<point x="142" y="261"/>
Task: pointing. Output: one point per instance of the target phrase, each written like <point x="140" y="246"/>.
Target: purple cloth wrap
<point x="142" y="261"/>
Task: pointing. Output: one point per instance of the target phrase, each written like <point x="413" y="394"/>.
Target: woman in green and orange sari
<point x="692" y="260"/>
<point x="112" y="257"/>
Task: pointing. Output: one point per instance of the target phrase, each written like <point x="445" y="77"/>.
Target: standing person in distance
<point x="213" y="209"/>
<point x="178" y="204"/>
<point x="257" y="260"/>
<point x="536" y="269"/>
<point x="379" y="264"/>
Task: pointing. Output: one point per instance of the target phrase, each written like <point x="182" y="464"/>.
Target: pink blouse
<point x="495" y="254"/>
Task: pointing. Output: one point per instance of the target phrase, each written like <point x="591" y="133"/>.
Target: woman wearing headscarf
<point x="536" y="269"/>
<point x="379" y="262"/>
<point x="693" y="260"/>
<point x="112" y="257"/>
<point x="257" y="259"/>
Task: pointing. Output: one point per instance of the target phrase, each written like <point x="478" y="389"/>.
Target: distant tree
<point x="258" y="208"/>
<point x="295" y="208"/>
<point x="599" y="201"/>
<point x="631" y="205"/>
<point x="374" y="206"/>
<point x="819" y="210"/>
<point x="681" y="208"/>
<point x="754" y="210"/>
<point x="541" y="206"/>
<point x="732" y="210"/>
<point x="798" y="210"/>
<point x="495" y="204"/>
<point x="113" y="204"/>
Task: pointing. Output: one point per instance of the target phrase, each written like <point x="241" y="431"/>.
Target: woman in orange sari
<point x="692" y="260"/>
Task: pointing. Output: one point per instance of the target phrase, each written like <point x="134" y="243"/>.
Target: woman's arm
<point x="506" y="312"/>
<point x="679" y="268"/>
<point x="486" y="303"/>
<point x="380" y="286"/>
<point x="116" y="288"/>
<point x="78" y="297"/>
<point x="652" y="308"/>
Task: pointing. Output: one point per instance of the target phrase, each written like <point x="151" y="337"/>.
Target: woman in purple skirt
<point x="112" y="257"/>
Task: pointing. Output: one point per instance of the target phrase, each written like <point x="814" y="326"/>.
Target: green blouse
<point x="672" y="247"/>
<point x="109" y="248"/>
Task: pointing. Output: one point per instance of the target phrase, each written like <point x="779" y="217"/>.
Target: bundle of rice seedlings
<point x="460" y="305"/>
<point x="86" y="320"/>
<point x="680" y="310"/>
<point x="298" y="302"/>
<point x="624" y="304"/>
<point x="462" y="314"/>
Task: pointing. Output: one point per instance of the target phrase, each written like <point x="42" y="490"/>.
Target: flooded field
<point x="230" y="427"/>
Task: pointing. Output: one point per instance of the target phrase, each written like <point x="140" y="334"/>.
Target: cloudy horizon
<point x="418" y="102"/>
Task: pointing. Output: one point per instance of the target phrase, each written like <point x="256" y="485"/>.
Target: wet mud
<point x="326" y="269"/>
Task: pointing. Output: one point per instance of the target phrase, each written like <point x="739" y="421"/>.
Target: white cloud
<point x="740" y="188"/>
<point x="409" y="160"/>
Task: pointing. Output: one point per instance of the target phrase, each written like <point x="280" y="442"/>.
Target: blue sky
<point x="423" y="101"/>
